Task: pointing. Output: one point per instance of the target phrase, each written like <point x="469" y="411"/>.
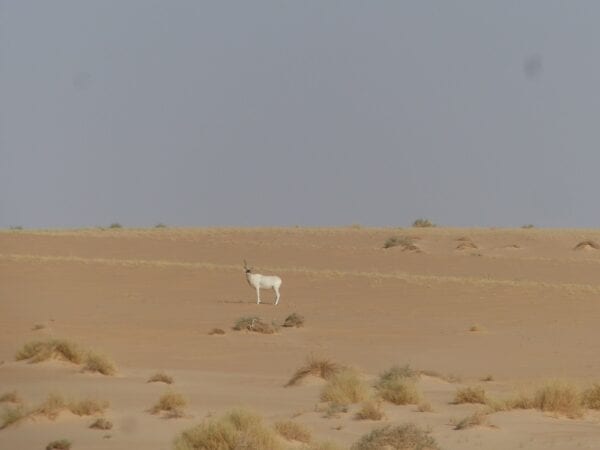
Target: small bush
<point x="293" y="431"/>
<point x="370" y="410"/>
<point x="15" y="227"/>
<point x="488" y="378"/>
<point x="170" y="403"/>
<point x="238" y="429"/>
<point x="344" y="388"/>
<point x="101" y="424"/>
<point x="401" y="437"/>
<point x="217" y="331"/>
<point x="405" y="242"/>
<point x="254" y="324"/>
<point x="319" y="367"/>
<point x="37" y="351"/>
<point x="62" y="444"/>
<point x="11" y="415"/>
<point x="51" y="407"/>
<point x="397" y="372"/>
<point x="160" y="377"/>
<point x="160" y="225"/>
<point x="334" y="410"/>
<point x="115" y="225"/>
<point x="398" y="385"/>
<point x="476" y="328"/>
<point x="38" y="326"/>
<point x="528" y="226"/>
<point x="591" y="397"/>
<point x="425" y="407"/>
<point x="88" y="407"/>
<point x="294" y="320"/>
<point x="423" y="223"/>
<point x="470" y="395"/>
<point x="99" y="363"/>
<point x="559" y="397"/>
<point x="477" y="418"/>
<point x="10" y="397"/>
<point x="327" y="445"/>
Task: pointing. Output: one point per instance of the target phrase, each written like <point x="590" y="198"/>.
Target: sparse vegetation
<point x="476" y="328"/>
<point x="15" y="227"/>
<point x="294" y="320"/>
<point x="160" y="225"/>
<point x="217" y="331"/>
<point x="239" y="429"/>
<point x="255" y="324"/>
<point x="370" y="410"/>
<point x="475" y="419"/>
<point x="407" y="243"/>
<point x="467" y="245"/>
<point x="344" y="388"/>
<point x="319" y="367"/>
<point x="528" y="226"/>
<point x="37" y="351"/>
<point x="11" y="415"/>
<point x="171" y="403"/>
<point x="398" y="386"/>
<point x="591" y="397"/>
<point x="10" y="397"/>
<point x="115" y="225"/>
<point x="587" y="244"/>
<point x="488" y="378"/>
<point x="327" y="445"/>
<point x="62" y="444"/>
<point x="423" y="223"/>
<point x="160" y="377"/>
<point x="95" y="362"/>
<point x="425" y="407"/>
<point x="88" y="407"/>
<point x="51" y="407"/>
<point x="401" y="437"/>
<point x="101" y="424"/>
<point x="293" y="431"/>
<point x="333" y="410"/>
<point x="38" y="326"/>
<point x="470" y="394"/>
<point x="559" y="397"/>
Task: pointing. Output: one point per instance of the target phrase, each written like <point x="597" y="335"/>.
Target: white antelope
<point x="257" y="281"/>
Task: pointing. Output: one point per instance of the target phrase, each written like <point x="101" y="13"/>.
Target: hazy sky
<point x="196" y="113"/>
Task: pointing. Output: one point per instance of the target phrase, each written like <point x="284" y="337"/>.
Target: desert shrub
<point x="88" y="406"/>
<point x="559" y="397"/>
<point x="10" y="397"/>
<point x="407" y="243"/>
<point x="470" y="394"/>
<point x="293" y="431"/>
<point x="254" y="324"/>
<point x="370" y="410"/>
<point x="487" y="378"/>
<point x="95" y="362"/>
<point x="477" y="418"/>
<point x="401" y="437"/>
<point x="160" y="225"/>
<point x="327" y="445"/>
<point x="15" y="227"/>
<point x="528" y="226"/>
<point x="344" y="388"/>
<point x="397" y="372"/>
<point x="398" y="385"/>
<point x="521" y="401"/>
<point x="38" y="326"/>
<point x="11" y="415"/>
<point x="160" y="377"/>
<point x="425" y="407"/>
<point x="170" y="403"/>
<point x="218" y="331"/>
<point x="319" y="367"/>
<point x="294" y="320"/>
<point x="37" y="351"/>
<point x="476" y="328"/>
<point x="423" y="223"/>
<point x="62" y="444"/>
<point x="334" y="410"/>
<point x="115" y="225"/>
<point x="591" y="397"/>
<point x="238" y="429"/>
<point x="51" y="407"/>
<point x="101" y="424"/>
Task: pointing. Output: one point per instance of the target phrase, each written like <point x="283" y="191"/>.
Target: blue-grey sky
<point x="197" y="113"/>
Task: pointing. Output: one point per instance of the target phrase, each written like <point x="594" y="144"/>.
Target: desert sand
<point x="149" y="297"/>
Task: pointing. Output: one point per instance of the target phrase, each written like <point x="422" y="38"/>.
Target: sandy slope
<point x="149" y="297"/>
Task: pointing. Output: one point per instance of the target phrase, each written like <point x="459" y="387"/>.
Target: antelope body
<point x="258" y="281"/>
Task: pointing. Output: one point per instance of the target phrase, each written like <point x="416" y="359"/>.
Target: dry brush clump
<point x="172" y="404"/>
<point x="216" y="331"/>
<point x="95" y="362"/>
<point x="62" y="444"/>
<point x="591" y="397"/>
<point x="472" y="420"/>
<point x="10" y="397"/>
<point x="559" y="397"/>
<point x="400" y="437"/>
<point x="101" y="424"/>
<point x="294" y="320"/>
<point x="238" y="429"/>
<point x="423" y="223"/>
<point x="319" y="367"/>
<point x="407" y="243"/>
<point x="11" y="415"/>
<point x="255" y="324"/>
<point x="344" y="388"/>
<point x="293" y="431"/>
<point x="160" y="377"/>
<point x="470" y="394"/>
<point x="587" y="244"/>
<point x="398" y="385"/>
<point x="370" y="410"/>
<point x="88" y="406"/>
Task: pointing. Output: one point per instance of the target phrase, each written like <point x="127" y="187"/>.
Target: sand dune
<point x="148" y="299"/>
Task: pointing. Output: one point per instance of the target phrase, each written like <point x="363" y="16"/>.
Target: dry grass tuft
<point x="51" y="407"/>
<point x="334" y="410"/>
<point x="488" y="378"/>
<point x="62" y="444"/>
<point x="398" y="386"/>
<point x="591" y="397"/>
<point x="88" y="407"/>
<point x="344" y="388"/>
<point x="37" y="351"/>
<point x="476" y="328"/>
<point x="95" y="362"/>
<point x="255" y="324"/>
<point x="327" y="445"/>
<point x="38" y="326"/>
<point x="400" y="437"/>
<point x="475" y="419"/>
<point x="423" y="223"/>
<point x="559" y="397"/>
<point x="101" y="424"/>
<point x="217" y="331"/>
<point x="583" y="245"/>
<point x="293" y="431"/>
<point x="470" y="394"/>
<point x="10" y="397"/>
<point x="170" y="403"/>
<point x="407" y="243"/>
<point x="370" y="410"/>
<point x="160" y="377"/>
<point x="466" y="245"/>
<point x="239" y="429"/>
<point x="294" y="320"/>
<point x="425" y="407"/>
<point x="318" y="367"/>
<point x="11" y="415"/>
